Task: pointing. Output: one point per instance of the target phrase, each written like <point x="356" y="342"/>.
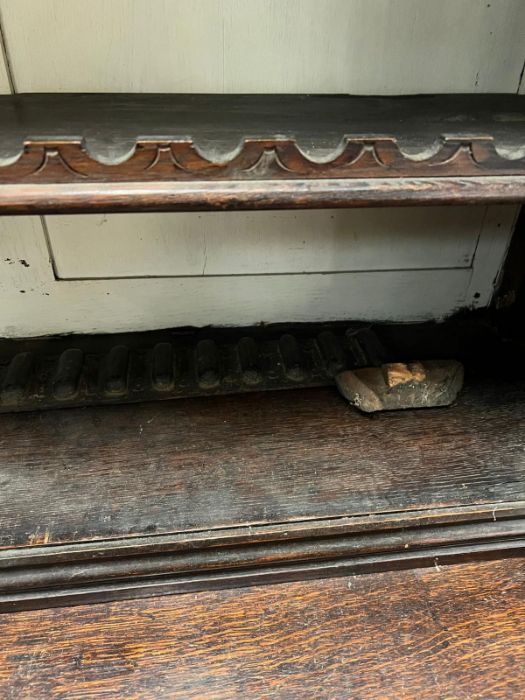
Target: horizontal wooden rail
<point x="82" y="153"/>
<point x="290" y="194"/>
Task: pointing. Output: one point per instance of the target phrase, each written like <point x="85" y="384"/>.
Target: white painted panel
<point x="360" y="46"/>
<point x="132" y="304"/>
<point x="217" y="243"/>
<point x="5" y="87"/>
<point x="375" y="46"/>
<point x="33" y="302"/>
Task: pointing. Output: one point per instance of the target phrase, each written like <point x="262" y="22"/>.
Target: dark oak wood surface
<point x="75" y="198"/>
<point x="77" y="152"/>
<point x="111" y="124"/>
<point x="445" y="632"/>
<point x="138" y="500"/>
<point x="157" y="468"/>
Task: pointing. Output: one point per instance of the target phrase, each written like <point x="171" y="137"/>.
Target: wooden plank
<point x="296" y="194"/>
<point x="36" y="303"/>
<point x="150" y="499"/>
<point x="309" y="132"/>
<point x="49" y="576"/>
<point x="149" y="138"/>
<point x="164" y="152"/>
<point x="110" y="472"/>
<point x="34" y="308"/>
<point x="449" y="631"/>
<point x="81" y="153"/>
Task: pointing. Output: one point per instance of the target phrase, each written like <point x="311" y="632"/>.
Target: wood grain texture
<point x="102" y="573"/>
<point x="270" y="151"/>
<point x="115" y="502"/>
<point x="447" y="632"/>
<point x="147" y="138"/>
<point x="238" y="196"/>
<point x="245" y="460"/>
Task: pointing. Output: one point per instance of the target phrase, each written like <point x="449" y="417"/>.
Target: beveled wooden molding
<point x="80" y="153"/>
<point x="323" y="193"/>
<point x="256" y="160"/>
<point x="55" y="575"/>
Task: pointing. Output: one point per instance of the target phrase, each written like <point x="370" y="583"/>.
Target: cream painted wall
<point x="361" y="46"/>
<point x="152" y="271"/>
<point x="5" y="87"/>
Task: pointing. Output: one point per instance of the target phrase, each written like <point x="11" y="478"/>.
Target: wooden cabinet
<point x="391" y="547"/>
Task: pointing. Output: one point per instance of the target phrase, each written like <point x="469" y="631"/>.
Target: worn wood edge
<point x="30" y="578"/>
<point x="178" y="584"/>
<point x="188" y="540"/>
<point x="204" y="195"/>
<point x="250" y="554"/>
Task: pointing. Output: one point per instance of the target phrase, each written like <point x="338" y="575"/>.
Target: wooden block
<point x="399" y="385"/>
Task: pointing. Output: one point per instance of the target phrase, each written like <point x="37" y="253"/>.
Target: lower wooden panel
<point x="113" y="502"/>
<point x="149" y="469"/>
<point x="446" y="632"/>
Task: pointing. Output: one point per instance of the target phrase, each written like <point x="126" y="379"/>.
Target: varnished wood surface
<point x="114" y="502"/>
<point x="111" y="472"/>
<point x="103" y="197"/>
<point x="445" y="632"/>
<point x="110" y="126"/>
<point x="104" y="152"/>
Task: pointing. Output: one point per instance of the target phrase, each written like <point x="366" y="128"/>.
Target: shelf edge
<point x="260" y="194"/>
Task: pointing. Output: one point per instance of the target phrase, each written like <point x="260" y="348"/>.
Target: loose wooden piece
<point x="446" y="631"/>
<point x="402" y="385"/>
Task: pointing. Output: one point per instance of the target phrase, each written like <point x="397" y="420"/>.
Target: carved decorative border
<point x="257" y="159"/>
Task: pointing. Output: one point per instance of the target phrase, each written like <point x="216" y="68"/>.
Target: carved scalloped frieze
<point x="258" y="159"/>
